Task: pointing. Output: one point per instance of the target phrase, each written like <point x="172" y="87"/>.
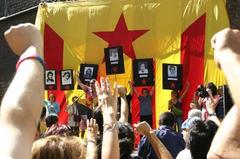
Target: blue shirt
<point x="51" y="109"/>
<point x="172" y="140"/>
<point x="145" y="105"/>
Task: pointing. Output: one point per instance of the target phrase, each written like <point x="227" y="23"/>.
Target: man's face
<point x="172" y="70"/>
<point x="142" y="66"/>
<point x="173" y="95"/>
<point x="89" y="72"/>
<point x="144" y="93"/>
<point x="114" y="52"/>
<point x="50" y="76"/>
<point x="51" y="98"/>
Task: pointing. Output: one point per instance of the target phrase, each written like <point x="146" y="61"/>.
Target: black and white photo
<point x="142" y="68"/>
<point x="113" y="54"/>
<point x="114" y="60"/>
<point x="172" y="71"/>
<point x="66" y="77"/>
<point x="172" y="76"/>
<point x="88" y="72"/>
<point x="50" y="77"/>
<point x="143" y="74"/>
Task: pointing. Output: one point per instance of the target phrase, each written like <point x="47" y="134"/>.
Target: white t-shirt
<point x="184" y="154"/>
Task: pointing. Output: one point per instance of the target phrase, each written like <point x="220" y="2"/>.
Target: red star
<point x="121" y="36"/>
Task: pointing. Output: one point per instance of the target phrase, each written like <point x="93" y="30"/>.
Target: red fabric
<point x="53" y="55"/>
<point x="192" y="59"/>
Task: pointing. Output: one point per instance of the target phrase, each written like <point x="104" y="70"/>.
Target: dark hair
<point x="66" y="73"/>
<point x="171" y="66"/>
<point x="175" y="91"/>
<point x="145" y="89"/>
<point x="167" y="118"/>
<point x="49" y="73"/>
<point x="126" y="139"/>
<point x="74" y="97"/>
<point x="212" y="87"/>
<point x="52" y="96"/>
<point x="200" y="138"/>
<point x="58" y="129"/>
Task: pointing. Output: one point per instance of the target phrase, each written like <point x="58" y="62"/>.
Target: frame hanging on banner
<point x="50" y="80"/>
<point x="172" y="76"/>
<point x="66" y="78"/>
<point x="88" y="72"/>
<point x="114" y="60"/>
<point x="143" y="74"/>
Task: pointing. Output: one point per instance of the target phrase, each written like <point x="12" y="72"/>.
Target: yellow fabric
<point x="75" y="22"/>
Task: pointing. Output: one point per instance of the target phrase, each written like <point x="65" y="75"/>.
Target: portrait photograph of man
<point x="66" y="77"/>
<point x="172" y="71"/>
<point x="113" y="54"/>
<point x="142" y="68"/>
<point x="114" y="60"/>
<point x="50" y="77"/>
<point x="88" y="72"/>
<point x="172" y="76"/>
<point x="143" y="73"/>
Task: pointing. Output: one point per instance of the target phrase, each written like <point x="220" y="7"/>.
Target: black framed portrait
<point x="88" y="72"/>
<point x="143" y="73"/>
<point x="50" y="80"/>
<point x="66" y="78"/>
<point x="114" y="60"/>
<point x="172" y="76"/>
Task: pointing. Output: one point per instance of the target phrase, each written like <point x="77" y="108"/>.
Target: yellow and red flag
<point x="173" y="31"/>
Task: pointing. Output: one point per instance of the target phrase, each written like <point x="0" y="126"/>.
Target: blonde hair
<point x="57" y="147"/>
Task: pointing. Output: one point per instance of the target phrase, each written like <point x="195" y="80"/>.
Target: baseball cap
<point x="189" y="122"/>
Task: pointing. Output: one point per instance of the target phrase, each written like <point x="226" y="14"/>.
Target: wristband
<point x="36" y="57"/>
<point x="213" y="114"/>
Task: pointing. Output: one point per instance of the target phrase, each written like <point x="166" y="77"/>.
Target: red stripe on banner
<point x="136" y="108"/>
<point x="53" y="55"/>
<point x="192" y="59"/>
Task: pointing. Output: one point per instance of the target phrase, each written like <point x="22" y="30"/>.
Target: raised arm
<point x="184" y="92"/>
<point x="145" y="129"/>
<point x="226" y="143"/>
<point x="151" y="91"/>
<point x="210" y="106"/>
<point x="92" y="128"/>
<point x="124" y="105"/>
<point x="83" y="86"/>
<point x="22" y="103"/>
<point x="130" y="83"/>
<point x="135" y="91"/>
<point x="108" y="102"/>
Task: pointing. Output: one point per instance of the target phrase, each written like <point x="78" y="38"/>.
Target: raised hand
<point x="122" y="90"/>
<point x="22" y="36"/>
<point x="210" y="106"/>
<point x="107" y="99"/>
<point x="92" y="128"/>
<point x="143" y="128"/>
<point x="226" y="47"/>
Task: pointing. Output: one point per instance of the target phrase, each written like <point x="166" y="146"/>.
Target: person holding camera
<point x="204" y="94"/>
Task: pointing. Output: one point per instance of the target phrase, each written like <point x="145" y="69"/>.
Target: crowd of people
<point x="109" y="135"/>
